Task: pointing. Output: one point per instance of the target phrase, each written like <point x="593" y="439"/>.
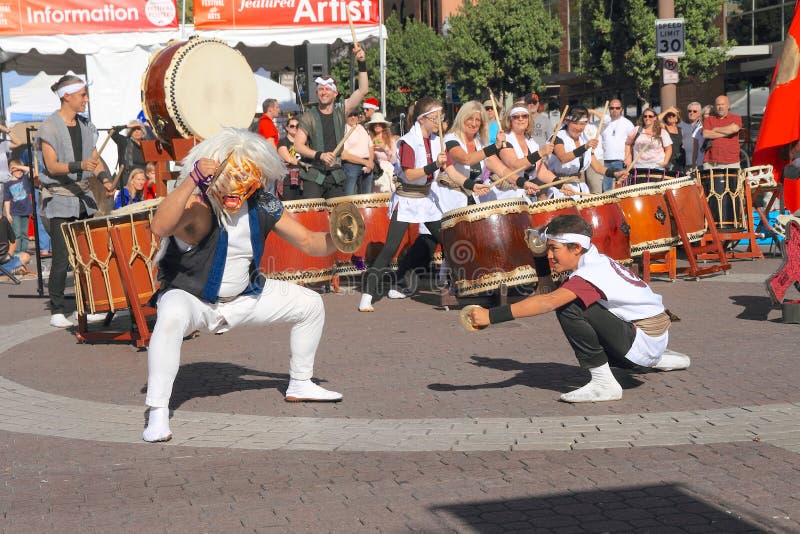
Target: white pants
<point x="180" y="314"/>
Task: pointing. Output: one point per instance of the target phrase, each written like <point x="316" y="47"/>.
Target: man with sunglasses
<point x="688" y="128"/>
<point x="322" y="128"/>
<point x="616" y="130"/>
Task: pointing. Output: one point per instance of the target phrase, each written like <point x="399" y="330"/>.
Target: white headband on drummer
<point x="518" y="109"/>
<point x="432" y="110"/>
<point x="73" y="87"/>
<point x="330" y="83"/>
<point x="583" y="240"/>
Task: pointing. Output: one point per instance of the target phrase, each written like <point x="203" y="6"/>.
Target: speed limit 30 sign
<point x="669" y="38"/>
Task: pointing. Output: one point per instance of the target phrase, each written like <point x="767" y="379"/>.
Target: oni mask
<point x="240" y="179"/>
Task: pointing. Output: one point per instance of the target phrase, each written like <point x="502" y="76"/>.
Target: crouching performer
<point x="213" y="227"/>
<point x="606" y="312"/>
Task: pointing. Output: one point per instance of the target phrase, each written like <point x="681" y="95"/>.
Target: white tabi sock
<point x="602" y="387"/>
<point x="157" y="425"/>
<point x="366" y="303"/>
<point x="672" y="361"/>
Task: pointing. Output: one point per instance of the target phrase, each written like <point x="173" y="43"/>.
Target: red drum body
<point x="281" y="261"/>
<point x="196" y="87"/>
<point x="645" y="210"/>
<point x="610" y="231"/>
<point x="484" y="246"/>
<point x="375" y="210"/>
<point x="96" y="261"/>
<point x="689" y="201"/>
<point x="544" y="211"/>
<point x="724" y="190"/>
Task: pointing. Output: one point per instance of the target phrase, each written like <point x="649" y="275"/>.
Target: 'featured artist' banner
<point x="48" y="17"/>
<point x="226" y="14"/>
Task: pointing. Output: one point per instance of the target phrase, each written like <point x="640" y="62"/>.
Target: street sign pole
<point x="666" y="35"/>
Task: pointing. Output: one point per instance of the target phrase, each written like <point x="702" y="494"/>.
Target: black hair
<point x="569" y="224"/>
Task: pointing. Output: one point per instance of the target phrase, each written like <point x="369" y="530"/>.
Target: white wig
<point x="244" y="144"/>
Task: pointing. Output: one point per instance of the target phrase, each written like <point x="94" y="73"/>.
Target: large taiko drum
<point x="484" y="246"/>
<point x="374" y="208"/>
<point x="544" y="211"/>
<point x="724" y="190"/>
<point x="282" y="261"/>
<point x="96" y="261"/>
<point x="689" y="202"/>
<point x="196" y="87"/>
<point x="610" y="231"/>
<point x="645" y="210"/>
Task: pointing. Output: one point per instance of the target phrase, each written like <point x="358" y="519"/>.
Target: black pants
<point x="597" y="336"/>
<point x="416" y="256"/>
<point x="58" y="265"/>
<point x="328" y="189"/>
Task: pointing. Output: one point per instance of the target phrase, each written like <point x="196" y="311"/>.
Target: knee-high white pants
<point x="180" y="314"/>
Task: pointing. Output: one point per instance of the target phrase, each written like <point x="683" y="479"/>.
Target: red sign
<point x="47" y="17"/>
<point x="226" y="14"/>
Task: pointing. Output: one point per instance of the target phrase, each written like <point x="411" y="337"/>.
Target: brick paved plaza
<point x="439" y="430"/>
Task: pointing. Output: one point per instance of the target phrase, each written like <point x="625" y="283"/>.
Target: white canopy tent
<point x="114" y="62"/>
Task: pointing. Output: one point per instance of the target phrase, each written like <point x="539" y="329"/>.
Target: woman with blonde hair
<point x="518" y="127"/>
<point x="468" y="149"/>
<point x="133" y="192"/>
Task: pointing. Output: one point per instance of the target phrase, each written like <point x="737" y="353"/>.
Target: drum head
<point x="211" y="86"/>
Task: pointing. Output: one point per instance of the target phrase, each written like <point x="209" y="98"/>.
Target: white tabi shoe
<point x="672" y="361"/>
<point x="308" y="391"/>
<point x="60" y="321"/>
<point x="157" y="426"/>
<point x="603" y="387"/>
<point x="91" y="317"/>
<point x="395" y="294"/>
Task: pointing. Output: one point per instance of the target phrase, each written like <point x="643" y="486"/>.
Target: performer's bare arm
<point x="565" y="157"/>
<point x="184" y="214"/>
<point x="460" y="156"/>
<point x="354" y="100"/>
<point x="93" y="165"/>
<point x="599" y="168"/>
<point x="303" y="239"/>
<point x="532" y="305"/>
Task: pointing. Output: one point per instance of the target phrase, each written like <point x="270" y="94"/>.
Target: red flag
<point x="781" y="123"/>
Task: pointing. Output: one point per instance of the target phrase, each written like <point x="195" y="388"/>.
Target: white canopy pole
<point x="382" y="53"/>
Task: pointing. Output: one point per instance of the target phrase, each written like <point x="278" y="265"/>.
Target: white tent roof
<point x="33" y="101"/>
<point x="125" y="42"/>
<point x="267" y="88"/>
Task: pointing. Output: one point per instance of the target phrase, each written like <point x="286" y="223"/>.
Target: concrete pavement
<point x="439" y="431"/>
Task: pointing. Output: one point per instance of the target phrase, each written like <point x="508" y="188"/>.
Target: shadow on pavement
<point x="661" y="508"/>
<point x="213" y="379"/>
<point x="756" y="308"/>
<point x="541" y="375"/>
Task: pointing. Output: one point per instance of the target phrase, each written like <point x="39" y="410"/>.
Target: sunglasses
<point x="291" y="126"/>
<point x="488" y="109"/>
<point x="615" y="107"/>
<point x="649" y="116"/>
<point x="518" y="117"/>
<point x="693" y="111"/>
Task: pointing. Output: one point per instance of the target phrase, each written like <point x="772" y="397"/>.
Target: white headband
<point x="432" y="110"/>
<point x="518" y="109"/>
<point x="74" y="87"/>
<point x="327" y="83"/>
<point x="583" y="240"/>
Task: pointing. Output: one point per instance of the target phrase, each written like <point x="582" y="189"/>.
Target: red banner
<point x="48" y="17"/>
<point x="227" y="14"/>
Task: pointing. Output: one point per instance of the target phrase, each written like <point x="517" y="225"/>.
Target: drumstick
<point x="218" y="172"/>
<point x="117" y="177"/>
<point x="509" y="175"/>
<point x="341" y="143"/>
<point x="352" y="28"/>
<point x="558" y="126"/>
<point x="441" y="136"/>
<point x="105" y="142"/>
<point x="494" y="106"/>
<point x="567" y="180"/>
<point x="600" y="126"/>
<point x="639" y="155"/>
